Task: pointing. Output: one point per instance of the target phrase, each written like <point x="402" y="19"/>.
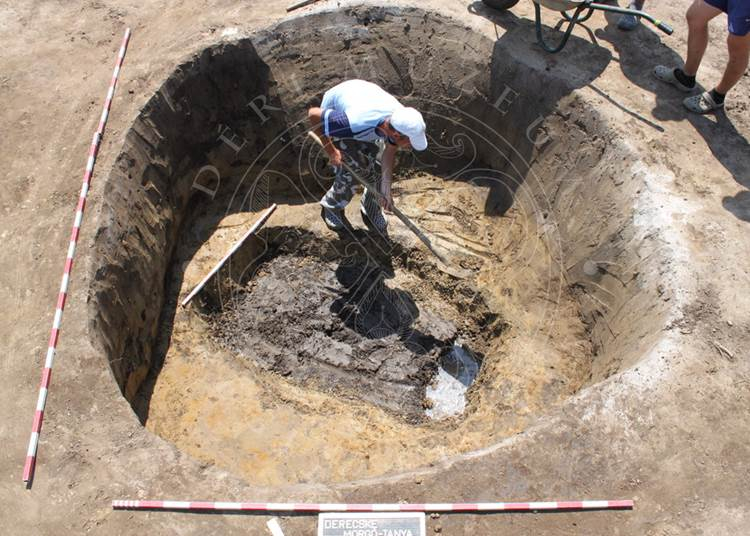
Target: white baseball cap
<point x="409" y="122"/>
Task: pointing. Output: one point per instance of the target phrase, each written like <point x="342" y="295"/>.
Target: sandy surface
<point x="676" y="445"/>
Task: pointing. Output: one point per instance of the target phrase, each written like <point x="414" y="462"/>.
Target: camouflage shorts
<point x="362" y="157"/>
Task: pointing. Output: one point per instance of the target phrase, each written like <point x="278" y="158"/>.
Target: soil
<point x="350" y="324"/>
<point x="647" y="321"/>
<point x="342" y="429"/>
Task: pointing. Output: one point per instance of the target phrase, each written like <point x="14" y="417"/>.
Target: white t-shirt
<point x="365" y="104"/>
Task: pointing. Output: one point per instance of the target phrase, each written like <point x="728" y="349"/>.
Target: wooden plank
<point x="257" y="225"/>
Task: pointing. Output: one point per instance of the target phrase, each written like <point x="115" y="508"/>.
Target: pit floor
<point x="221" y="407"/>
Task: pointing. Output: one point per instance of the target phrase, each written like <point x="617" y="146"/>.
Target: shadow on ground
<point x="643" y="49"/>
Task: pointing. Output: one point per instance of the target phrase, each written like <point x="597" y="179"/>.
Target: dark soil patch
<point x="341" y="319"/>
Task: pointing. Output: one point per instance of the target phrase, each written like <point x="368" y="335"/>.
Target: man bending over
<point x="355" y="121"/>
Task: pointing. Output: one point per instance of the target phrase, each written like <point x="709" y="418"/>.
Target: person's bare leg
<point x="698" y="16"/>
<point x="739" y="54"/>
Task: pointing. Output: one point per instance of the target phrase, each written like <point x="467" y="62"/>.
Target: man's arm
<point x="315" y="116"/>
<point x="386" y="164"/>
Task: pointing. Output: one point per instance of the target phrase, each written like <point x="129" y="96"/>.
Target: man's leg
<point x="739" y="54"/>
<point x="338" y="196"/>
<point x="370" y="209"/>
<point x="698" y="16"/>
<point x="340" y="192"/>
<point x="738" y="44"/>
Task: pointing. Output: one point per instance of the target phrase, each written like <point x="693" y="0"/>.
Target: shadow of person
<point x="368" y="305"/>
<point x="728" y="146"/>
<point x="739" y="205"/>
<point x="372" y="308"/>
<point x="511" y="23"/>
<point x="537" y="81"/>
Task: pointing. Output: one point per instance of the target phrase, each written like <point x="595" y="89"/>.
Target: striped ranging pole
<point x="547" y="506"/>
<point x="28" y="469"/>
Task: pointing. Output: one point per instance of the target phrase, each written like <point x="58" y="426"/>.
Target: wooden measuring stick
<point x="36" y="427"/>
<point x="315" y="508"/>
<point x="257" y="225"/>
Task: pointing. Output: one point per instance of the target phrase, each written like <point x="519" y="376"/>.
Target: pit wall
<point x="584" y="183"/>
<point x="543" y="151"/>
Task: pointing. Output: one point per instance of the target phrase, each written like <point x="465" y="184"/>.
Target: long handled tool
<point x="231" y="252"/>
<point x="400" y="215"/>
<point x="298" y="5"/>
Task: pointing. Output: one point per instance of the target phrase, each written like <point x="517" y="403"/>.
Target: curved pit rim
<point x="541" y="424"/>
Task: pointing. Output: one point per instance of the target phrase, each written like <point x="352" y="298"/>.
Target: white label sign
<point x="376" y="524"/>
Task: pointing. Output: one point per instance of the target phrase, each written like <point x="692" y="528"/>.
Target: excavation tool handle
<point x="298" y="5"/>
<point x="664" y="27"/>
<point x="400" y="215"/>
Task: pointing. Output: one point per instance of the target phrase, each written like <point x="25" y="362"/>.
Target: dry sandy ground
<point x="681" y="452"/>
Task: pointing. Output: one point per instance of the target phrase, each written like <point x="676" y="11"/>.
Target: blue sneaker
<point x="628" y="23"/>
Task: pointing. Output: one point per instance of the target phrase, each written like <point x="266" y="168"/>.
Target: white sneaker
<point x="702" y="104"/>
<point x="666" y="74"/>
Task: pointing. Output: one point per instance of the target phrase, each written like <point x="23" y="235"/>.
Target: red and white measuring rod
<point x="28" y="469"/>
<point x="546" y="506"/>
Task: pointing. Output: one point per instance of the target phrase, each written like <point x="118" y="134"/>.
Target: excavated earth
<point x="342" y="336"/>
<point x="334" y="320"/>
<point x="595" y="251"/>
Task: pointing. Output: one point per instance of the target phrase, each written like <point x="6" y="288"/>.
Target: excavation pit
<point x="286" y="369"/>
